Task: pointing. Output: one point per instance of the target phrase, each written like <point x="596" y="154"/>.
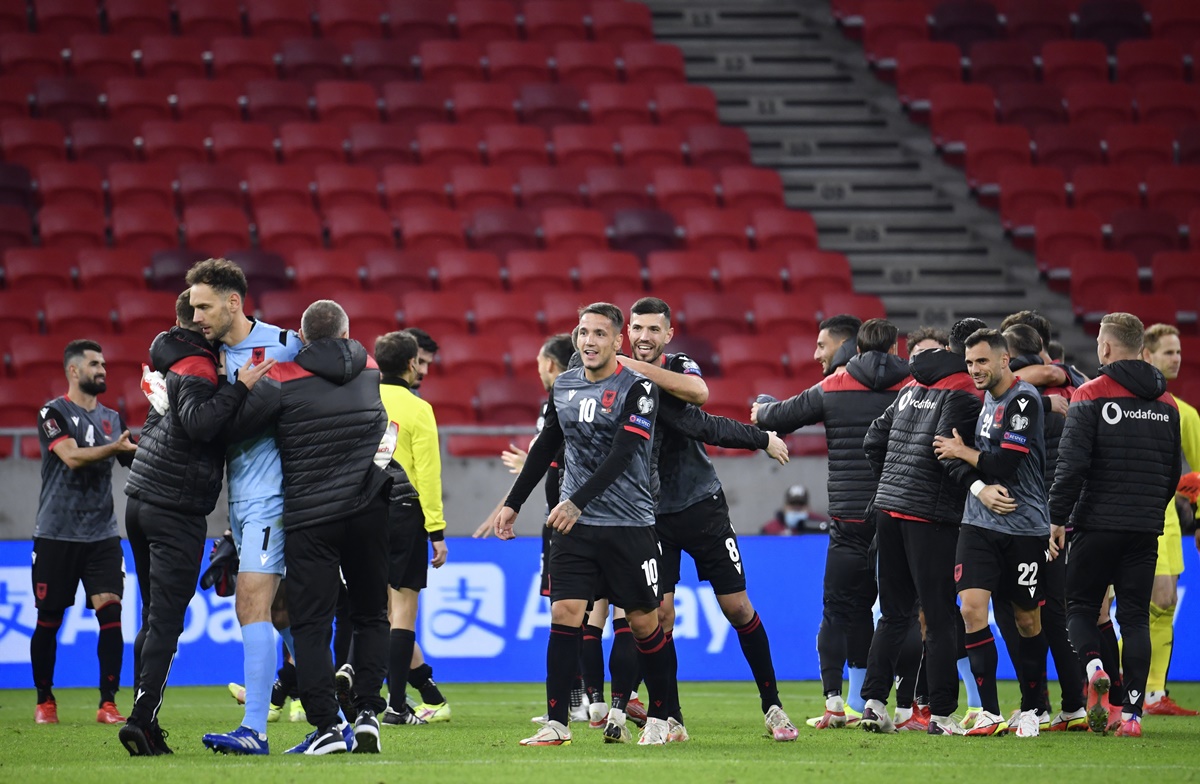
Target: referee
<point x="76" y="534"/>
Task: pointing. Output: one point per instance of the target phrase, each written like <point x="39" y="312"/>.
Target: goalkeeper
<point x="173" y="485"/>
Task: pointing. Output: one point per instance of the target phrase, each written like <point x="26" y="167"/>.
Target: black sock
<point x="757" y="650"/>
<point x="623" y="664"/>
<point x="591" y="658"/>
<point x="43" y="650"/>
<point x="562" y="653"/>
<point x="421" y="679"/>
<point x="343" y="630"/>
<point x="1031" y="655"/>
<point x="675" y="710"/>
<point x="831" y="655"/>
<point x="659" y="674"/>
<point x="285" y="684"/>
<point x="981" y="649"/>
<point x="110" y="649"/>
<point x="400" y="650"/>
<point x="1110" y="655"/>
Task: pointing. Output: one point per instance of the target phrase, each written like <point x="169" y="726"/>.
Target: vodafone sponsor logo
<point x="1112" y="413"/>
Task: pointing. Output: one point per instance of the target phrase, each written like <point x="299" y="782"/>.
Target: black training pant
<point x="1126" y="560"/>
<point x="167" y="548"/>
<point x="916" y="566"/>
<point x="358" y="546"/>
<point x="847" y="621"/>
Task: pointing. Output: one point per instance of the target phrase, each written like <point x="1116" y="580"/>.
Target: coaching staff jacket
<point x="913" y="483"/>
<point x="847" y="402"/>
<point x="1119" y="458"/>
<point x="328" y="421"/>
<point x="181" y="454"/>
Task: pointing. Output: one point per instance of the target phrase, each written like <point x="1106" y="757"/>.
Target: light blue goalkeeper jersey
<point x="254" y="467"/>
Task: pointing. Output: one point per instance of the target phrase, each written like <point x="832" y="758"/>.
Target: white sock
<point x="903" y="715"/>
<point x="877" y="706"/>
<point x="1093" y="667"/>
<point x="1154" y="696"/>
<point x="1127" y="716"/>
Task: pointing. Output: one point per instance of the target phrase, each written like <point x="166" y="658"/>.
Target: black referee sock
<point x="656" y="654"/>
<point x="1110" y="655"/>
<point x="43" y="650"/>
<point x="591" y="660"/>
<point x="110" y="648"/>
<point x="1031" y="656"/>
<point x="981" y="650"/>
<point x="623" y="664"/>
<point x="421" y="679"/>
<point x="562" y="657"/>
<point x="400" y="651"/>
<point x="757" y="650"/>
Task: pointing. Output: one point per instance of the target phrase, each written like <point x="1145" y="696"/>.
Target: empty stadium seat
<point x="574" y="229"/>
<point x="207" y="102"/>
<point x="673" y="273"/>
<point x="584" y="145"/>
<point x="145" y="229"/>
<point x="312" y="144"/>
<point x="101" y="57"/>
<point x="1067" y="147"/>
<point x="283" y="185"/>
<point x="615" y="268"/>
<point x="77" y="313"/>
<point x="1065" y="63"/>
<point x="217" y="228"/>
<point x="1030" y="105"/>
<point x="549" y="105"/>
<point x="64" y="18"/>
<point x="1002" y="62"/>
<point x="467" y="272"/>
<point x="710" y="315"/>
<point x="70" y="185"/>
<point x="210" y="19"/>
<point x="71" y="228"/>
<point x="1095" y="277"/>
<point x="416" y="186"/>
<point x="1099" y="103"/>
<point x="279" y="19"/>
<point x="30" y="55"/>
<point x="451" y="61"/>
<point x="643" y="231"/>
<point x="540" y="272"/>
<point x="276" y="102"/>
<point x="484" y="103"/>
<point x="149" y="312"/>
<point x="410" y="23"/>
<point x="750" y="355"/>
<point x="653" y="63"/>
<point x="485" y="20"/>
<point x="1167" y="103"/>
<point x="34" y="271"/>
<point x="955" y="107"/>
<point x="1139" y="62"/>
<point x="242" y="60"/>
<point x="745" y="273"/>
<point x="613" y="188"/>
<point x="379" y="145"/>
<point x="776" y="228"/>
<point x="990" y="149"/>
<point x="1060" y="233"/>
<point x="380" y="62"/>
<point x="451" y="406"/>
<point x="518" y="62"/>
<point x="887" y="23"/>
<point x="103" y="143"/>
<point x="1175" y="189"/>
<point x="1178" y="276"/>
<point x="1144" y="232"/>
<point x="551" y="186"/>
<point x="1025" y="190"/>
<point x="396" y="272"/>
<point x="470" y="358"/>
<point x="450" y="145"/>
<point x="515" y="312"/>
<point x="285" y="230"/>
<point x="678" y="188"/>
<point x="416" y="103"/>
<point x="1140" y="146"/>
<point x="347" y="21"/>
<point x="1105" y="189"/>
<point x="430" y="228"/>
<point x="346" y="103"/>
<point x="346" y="186"/>
<point x="172" y="57"/>
<point x="815" y="273"/>
<point x="111" y="270"/>
<point x="515" y="145"/>
<point x="621" y="23"/>
<point x="242" y="145"/>
<point x="684" y="105"/>
<point x="210" y="185"/>
<point x="310" y="61"/>
<point x="710" y="229"/>
<point x="554" y="21"/>
<point x="31" y="143"/>
<point x="138" y="18"/>
<point x="265" y="271"/>
<point x="617" y="105"/>
<point x="1111" y="21"/>
<point x="436" y="312"/>
<point x="15" y="228"/>
<point x="335" y="271"/>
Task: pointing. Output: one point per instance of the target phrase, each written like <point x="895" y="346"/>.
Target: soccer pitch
<point x="480" y="745"/>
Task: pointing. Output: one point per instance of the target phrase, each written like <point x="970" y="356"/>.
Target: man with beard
<point x="76" y="535"/>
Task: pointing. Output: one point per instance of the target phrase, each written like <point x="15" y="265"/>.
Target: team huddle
<point x="979" y="473"/>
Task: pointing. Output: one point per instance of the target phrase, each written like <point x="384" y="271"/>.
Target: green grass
<point x="480" y="745"/>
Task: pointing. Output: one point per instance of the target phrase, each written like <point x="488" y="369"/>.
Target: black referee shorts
<point x="1007" y="565"/>
<point x="704" y="532"/>
<point x="617" y="562"/>
<point x="59" y="566"/>
<point x="408" y="564"/>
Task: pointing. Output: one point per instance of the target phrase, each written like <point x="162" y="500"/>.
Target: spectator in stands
<point x="795" y="517"/>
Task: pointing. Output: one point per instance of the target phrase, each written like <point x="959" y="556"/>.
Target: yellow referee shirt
<point x="417" y="448"/>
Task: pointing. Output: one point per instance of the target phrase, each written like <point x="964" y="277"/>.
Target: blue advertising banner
<point x="482" y="619"/>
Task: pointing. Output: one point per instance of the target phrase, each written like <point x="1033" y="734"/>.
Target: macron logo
<point x="571" y="394"/>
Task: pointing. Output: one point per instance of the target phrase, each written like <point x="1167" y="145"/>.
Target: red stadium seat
<point x="584" y="64"/>
<point x="16" y="185"/>
<point x="549" y="105"/>
<point x="653" y="63"/>
<point x="469" y="358"/>
<point x="98" y="58"/>
<point x="174" y="143"/>
<point x="285" y="230"/>
<point x="451" y="61"/>
<point x="467" y="272"/>
<point x="613" y="188"/>
<point x="617" y="105"/>
<point x="507" y="313"/>
<point x="37" y="363"/>
<point x="279" y="19"/>
<point x="378" y="145"/>
<point x="347" y="21"/>
<point x="18" y="319"/>
<point x="1025" y="190"/>
<point x="1065" y="63"/>
<point x="65" y="100"/>
<point x="145" y="229"/>
<point x="685" y="105"/>
<point x="242" y="60"/>
<point x="710" y="315"/>
<point x="523" y="351"/>
<point x="31" y="143"/>
<point x="1140" y="146"/>
<point x="410" y="22"/>
<point x="743" y="272"/>
<point x="1175" y="189"/>
<point x="554" y="21"/>
<point x="416" y="103"/>
<point x="149" y="312"/>
<point x="19" y="404"/>
<point x="783" y="230"/>
<point x="1030" y="105"/>
<point x="347" y="186"/>
<point x="380" y="62"/>
<point x="1150" y="308"/>
<point x="750" y="355"/>
<point x="751" y="188"/>
<point x="1175" y="20"/>
<point x="730" y="397"/>
<point x="865" y="306"/>
<point x="277" y="102"/>
<point x="71" y="228"/>
<point x="1099" y="104"/>
<point x="241" y="145"/>
<point x="346" y="103"/>
<point x="1037" y="21"/>
<point x="1141" y="62"/>
<point x="1003" y="62"/>
<point x="77" y="313"/>
<point x="1061" y="233"/>
<point x="15" y="94"/>
<point x="435" y="312"/>
<point x="15" y="228"/>
<point x="621" y="23"/>
<point x="210" y="185"/>
<point x="14" y="16"/>
<point x="416" y="186"/>
<point x="1168" y="103"/>
<point x="278" y="186"/>
<point x="103" y="143"/>
<point x="430" y="228"/>
<point x="444" y="144"/>
<point x="1111" y="21"/>
<point x="584" y="146"/>
<point x="138" y="18"/>
<point x="37" y="270"/>
<point x="173" y="58"/>
<point x="484" y="103"/>
<point x="1145" y="232"/>
<point x="1178" y="276"/>
<point x="598" y="268"/>
<point x="679" y="188"/>
<point x="673" y="273"/>
<point x="70" y="185"/>
<point x="64" y="18"/>
<point x="145" y="185"/>
<point x="650" y="146"/>
<point x="396" y="272"/>
<point x="515" y="145"/>
<point x="1067" y="147"/>
<point x="644" y="231"/>
<point x="922" y="64"/>
<point x="218" y="228"/>
<point x="451" y="404"/>
<point x="312" y="144"/>
<point x="1096" y="277"/>
<point x="550" y="186"/>
<point x="31" y="56"/>
<point x="284" y="307"/>
<point x="1105" y="189"/>
<point x="518" y="62"/>
<point x="886" y="24"/>
<point x="207" y="102"/>
<point x="485" y="20"/>
<point x="541" y="272"/>
<point x="574" y="229"/>
<point x="483" y="186"/>
<point x="510" y="401"/>
<point x="955" y="107"/>
<point x="992" y="148"/>
<point x="964" y="24"/>
<point x="210" y="20"/>
<point x="310" y="61"/>
<point x="136" y="101"/>
<point x="111" y="270"/>
<point x="265" y="271"/>
<point x="334" y="271"/>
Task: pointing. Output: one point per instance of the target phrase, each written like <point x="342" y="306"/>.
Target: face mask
<point x="794" y="518"/>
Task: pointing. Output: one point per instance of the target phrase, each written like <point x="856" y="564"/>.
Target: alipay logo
<point x="18" y="614"/>
<point x="464" y="611"/>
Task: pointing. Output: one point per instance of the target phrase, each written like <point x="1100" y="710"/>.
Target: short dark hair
<point x="76" y="349"/>
<point x="650" y="306"/>
<point x="842" y="327"/>
<point x="394" y="351"/>
<point x="424" y="341"/>
<point x="921" y="334"/>
<point x="608" y="311"/>
<point x="992" y="337"/>
<point x="1023" y="339"/>
<point x="184" y="312"/>
<point x="221" y="275"/>
<point x="876" y="335"/>
<point x="559" y="349"/>
<point x="1030" y="318"/>
<point x="324" y="319"/>
<point x="962" y="330"/>
<point x="1056" y="350"/>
